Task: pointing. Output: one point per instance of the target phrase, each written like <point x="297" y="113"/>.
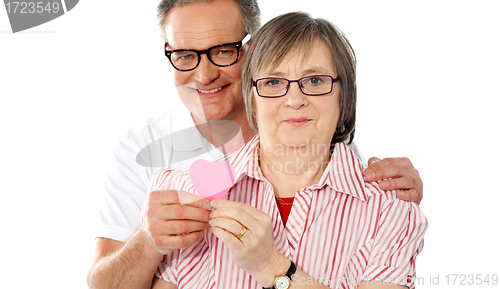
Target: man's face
<point x="200" y="26"/>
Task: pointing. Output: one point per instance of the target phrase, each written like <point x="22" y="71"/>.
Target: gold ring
<point x="242" y="232"/>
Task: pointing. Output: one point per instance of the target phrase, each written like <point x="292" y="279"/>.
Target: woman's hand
<point x="255" y="251"/>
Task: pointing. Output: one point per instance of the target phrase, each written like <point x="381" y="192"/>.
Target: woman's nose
<point x="294" y="98"/>
<point x="206" y="72"/>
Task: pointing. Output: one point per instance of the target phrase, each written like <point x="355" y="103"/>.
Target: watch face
<point x="282" y="282"/>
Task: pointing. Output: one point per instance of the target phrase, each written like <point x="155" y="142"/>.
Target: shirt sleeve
<point x="167" y="270"/>
<point x="398" y="241"/>
<point x="126" y="187"/>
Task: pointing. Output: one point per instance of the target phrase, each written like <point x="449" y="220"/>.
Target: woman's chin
<point x="307" y="144"/>
<point x="296" y="141"/>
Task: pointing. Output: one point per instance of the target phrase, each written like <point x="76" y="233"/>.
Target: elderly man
<point x="209" y="84"/>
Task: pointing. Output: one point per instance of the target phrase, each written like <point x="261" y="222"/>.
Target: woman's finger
<point x="234" y="244"/>
<point x="244" y="214"/>
<point x="221" y="203"/>
<point x="228" y="225"/>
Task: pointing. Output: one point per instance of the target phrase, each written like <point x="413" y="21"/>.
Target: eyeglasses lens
<point x="316" y="84"/>
<point x="224" y="55"/>
<point x="311" y="85"/>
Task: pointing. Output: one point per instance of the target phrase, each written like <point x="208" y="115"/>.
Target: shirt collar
<point x="246" y="161"/>
<point x="344" y="172"/>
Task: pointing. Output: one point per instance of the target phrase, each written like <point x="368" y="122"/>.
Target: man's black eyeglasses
<point x="220" y="55"/>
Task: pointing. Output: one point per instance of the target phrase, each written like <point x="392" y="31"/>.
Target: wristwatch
<point x="284" y="281"/>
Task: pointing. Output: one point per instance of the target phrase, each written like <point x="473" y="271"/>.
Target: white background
<point x="428" y="89"/>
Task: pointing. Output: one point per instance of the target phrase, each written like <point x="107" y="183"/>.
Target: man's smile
<point x="209" y="91"/>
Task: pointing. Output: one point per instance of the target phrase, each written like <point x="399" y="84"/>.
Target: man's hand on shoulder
<point x="396" y="174"/>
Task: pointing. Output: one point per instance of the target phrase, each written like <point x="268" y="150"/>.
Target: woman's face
<point x="297" y="120"/>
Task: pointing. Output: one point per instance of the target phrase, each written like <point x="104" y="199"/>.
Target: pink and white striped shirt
<point x="340" y="231"/>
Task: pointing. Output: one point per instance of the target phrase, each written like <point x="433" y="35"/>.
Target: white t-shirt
<point x="169" y="141"/>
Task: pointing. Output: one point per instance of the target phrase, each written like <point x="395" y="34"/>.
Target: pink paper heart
<point x="212" y="181"/>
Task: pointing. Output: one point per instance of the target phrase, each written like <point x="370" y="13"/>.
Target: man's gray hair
<point x="249" y="9"/>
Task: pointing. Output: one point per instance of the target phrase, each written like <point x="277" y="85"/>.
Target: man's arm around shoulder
<point x="168" y="225"/>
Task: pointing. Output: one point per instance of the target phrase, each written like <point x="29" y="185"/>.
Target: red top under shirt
<point x="285" y="209"/>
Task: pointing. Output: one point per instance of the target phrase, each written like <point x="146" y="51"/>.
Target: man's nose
<point x="206" y="72"/>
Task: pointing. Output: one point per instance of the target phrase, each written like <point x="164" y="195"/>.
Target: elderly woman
<point x="300" y="213"/>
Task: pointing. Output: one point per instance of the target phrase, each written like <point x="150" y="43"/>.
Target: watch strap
<point x="291" y="270"/>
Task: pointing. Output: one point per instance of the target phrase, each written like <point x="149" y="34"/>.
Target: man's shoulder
<point x="162" y="124"/>
<point x="159" y="126"/>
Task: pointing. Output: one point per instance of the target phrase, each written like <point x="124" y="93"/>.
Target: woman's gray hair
<point x="249" y="9"/>
<point x="297" y="31"/>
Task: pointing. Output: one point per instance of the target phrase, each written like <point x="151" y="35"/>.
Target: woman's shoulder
<point x="374" y="191"/>
<point x="389" y="204"/>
